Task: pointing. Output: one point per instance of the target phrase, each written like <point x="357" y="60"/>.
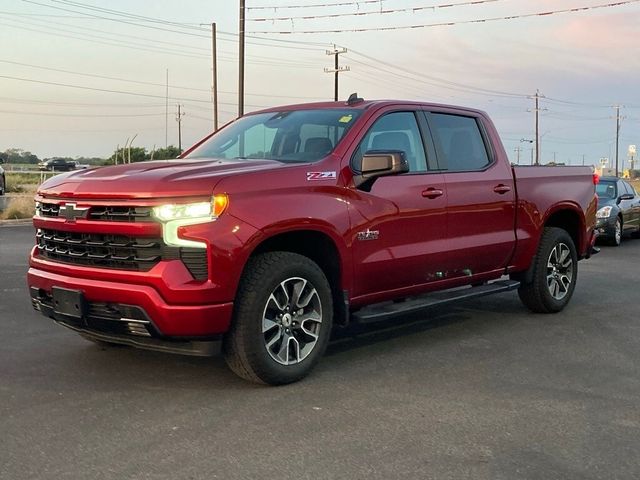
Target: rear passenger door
<point x="480" y="194"/>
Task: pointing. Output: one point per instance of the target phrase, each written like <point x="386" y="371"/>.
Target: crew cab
<point x="290" y="220"/>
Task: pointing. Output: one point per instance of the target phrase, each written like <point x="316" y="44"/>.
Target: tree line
<point x="136" y="154"/>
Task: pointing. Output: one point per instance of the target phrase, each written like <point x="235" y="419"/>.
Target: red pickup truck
<point x="294" y="219"/>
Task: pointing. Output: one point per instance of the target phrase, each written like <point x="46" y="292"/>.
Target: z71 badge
<point x="321" y="176"/>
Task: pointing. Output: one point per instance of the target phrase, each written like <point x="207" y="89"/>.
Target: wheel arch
<point x="320" y="247"/>
<point x="569" y="218"/>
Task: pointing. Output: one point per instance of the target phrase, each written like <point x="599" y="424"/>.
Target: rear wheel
<point x="555" y="272"/>
<point x="282" y="319"/>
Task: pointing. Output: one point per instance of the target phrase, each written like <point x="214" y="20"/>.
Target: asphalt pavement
<point x="482" y="390"/>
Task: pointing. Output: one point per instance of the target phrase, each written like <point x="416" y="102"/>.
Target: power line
<point x="48" y="114"/>
<point x="315" y="5"/>
<point x="110" y="42"/>
<point x="106" y="77"/>
<point x="445" y="83"/>
<point x="167" y="22"/>
<point x="122" y="92"/>
<point x="448" y="24"/>
<point x="372" y="12"/>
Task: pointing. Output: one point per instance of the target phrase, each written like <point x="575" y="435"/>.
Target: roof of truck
<point x="362" y="105"/>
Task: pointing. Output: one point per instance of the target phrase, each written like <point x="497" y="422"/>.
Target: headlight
<point x="604" y="212"/>
<point x="178" y="215"/>
<point x="166" y="213"/>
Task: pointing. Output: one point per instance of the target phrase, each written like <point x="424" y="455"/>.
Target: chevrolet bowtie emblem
<point x="71" y="212"/>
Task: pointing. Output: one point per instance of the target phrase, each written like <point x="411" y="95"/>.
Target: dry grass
<point x="19" y="207"/>
<point x="22" y="182"/>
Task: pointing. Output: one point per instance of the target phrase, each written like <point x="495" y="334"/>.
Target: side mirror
<point x="379" y="163"/>
<point x="625" y="196"/>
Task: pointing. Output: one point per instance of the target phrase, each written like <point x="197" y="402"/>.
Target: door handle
<point x="432" y="192"/>
<point x="502" y="189"/>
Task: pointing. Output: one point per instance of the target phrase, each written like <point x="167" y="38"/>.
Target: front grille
<point x="102" y="213"/>
<point x="49" y="209"/>
<point x="117" y="251"/>
<point x="120" y="214"/>
<point x="99" y="250"/>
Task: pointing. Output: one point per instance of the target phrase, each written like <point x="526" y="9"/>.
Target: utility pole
<point x="214" y="59"/>
<point x="179" y="116"/>
<point x="337" y="69"/>
<point x="241" y="61"/>
<point x="518" y="150"/>
<point x="537" y="111"/>
<point x="166" y="114"/>
<point x="583" y="155"/>
<point x="617" y="107"/>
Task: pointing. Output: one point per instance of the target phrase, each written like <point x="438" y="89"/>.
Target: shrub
<point x="19" y="207"/>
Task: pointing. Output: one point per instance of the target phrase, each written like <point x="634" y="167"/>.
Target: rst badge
<point x="311" y="176"/>
<point x="368" y="235"/>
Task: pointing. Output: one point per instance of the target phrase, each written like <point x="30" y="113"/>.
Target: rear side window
<point x="460" y="143"/>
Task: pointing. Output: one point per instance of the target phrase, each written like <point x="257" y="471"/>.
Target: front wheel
<point x="282" y="319"/>
<point x="617" y="233"/>
<point x="555" y="272"/>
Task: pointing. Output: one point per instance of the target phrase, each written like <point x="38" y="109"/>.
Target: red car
<point x="293" y="219"/>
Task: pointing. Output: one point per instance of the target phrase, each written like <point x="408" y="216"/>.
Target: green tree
<point x="17" y="155"/>
<point x="165" y="153"/>
<point x="136" y="154"/>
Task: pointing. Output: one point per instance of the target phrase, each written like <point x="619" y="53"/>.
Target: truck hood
<point x="151" y="180"/>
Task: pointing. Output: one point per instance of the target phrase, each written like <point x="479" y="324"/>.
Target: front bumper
<point x="165" y="320"/>
<point x="606" y="227"/>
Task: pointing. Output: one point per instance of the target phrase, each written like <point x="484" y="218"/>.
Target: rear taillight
<point x="596" y="178"/>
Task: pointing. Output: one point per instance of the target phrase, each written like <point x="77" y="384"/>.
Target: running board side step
<point x="383" y="311"/>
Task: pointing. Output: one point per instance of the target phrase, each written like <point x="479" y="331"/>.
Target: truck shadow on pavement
<point x="109" y="368"/>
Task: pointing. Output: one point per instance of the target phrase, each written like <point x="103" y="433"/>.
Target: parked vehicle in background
<point x="81" y="166"/>
<point x="618" y="210"/>
<point x="292" y="219"/>
<point x="3" y="182"/>
<point x="57" y="165"/>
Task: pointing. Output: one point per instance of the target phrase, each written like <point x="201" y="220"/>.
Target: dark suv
<point x="57" y="165"/>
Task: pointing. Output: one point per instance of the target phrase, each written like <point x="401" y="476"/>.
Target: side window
<point x="395" y="131"/>
<point x="622" y="188"/>
<point x="460" y="142"/>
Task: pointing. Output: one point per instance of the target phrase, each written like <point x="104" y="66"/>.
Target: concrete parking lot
<point x="485" y="390"/>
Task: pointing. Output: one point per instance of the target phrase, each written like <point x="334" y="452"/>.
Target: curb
<point x="16" y="223"/>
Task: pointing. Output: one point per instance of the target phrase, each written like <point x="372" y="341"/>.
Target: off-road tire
<point x="244" y="346"/>
<point x="536" y="295"/>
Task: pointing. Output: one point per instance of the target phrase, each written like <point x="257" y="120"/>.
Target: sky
<point x="80" y="77"/>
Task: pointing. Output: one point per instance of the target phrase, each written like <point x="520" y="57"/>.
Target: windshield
<point x="297" y="136"/>
<point x="606" y="189"/>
